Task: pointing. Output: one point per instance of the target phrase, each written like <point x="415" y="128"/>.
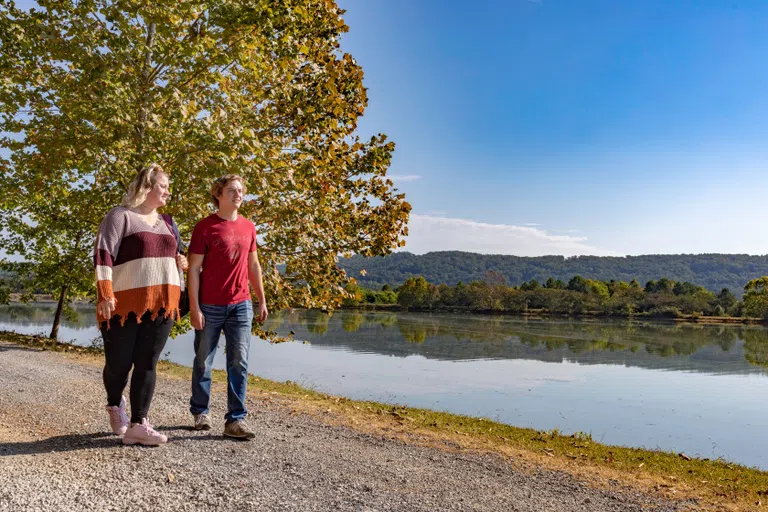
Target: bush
<point x="665" y="312"/>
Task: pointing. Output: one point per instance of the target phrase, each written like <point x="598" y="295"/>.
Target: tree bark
<point x="57" y="318"/>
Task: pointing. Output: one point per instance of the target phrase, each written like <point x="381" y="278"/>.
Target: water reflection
<point x="736" y="349"/>
<point x="82" y="316"/>
<point x="646" y="344"/>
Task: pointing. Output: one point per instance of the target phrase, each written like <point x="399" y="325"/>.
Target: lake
<point x="686" y="388"/>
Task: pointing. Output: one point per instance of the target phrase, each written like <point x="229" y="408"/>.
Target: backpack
<point x="184" y="297"/>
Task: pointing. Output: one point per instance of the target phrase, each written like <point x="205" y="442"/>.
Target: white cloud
<point x="430" y="233"/>
<point x="531" y="224"/>
<point x="404" y="178"/>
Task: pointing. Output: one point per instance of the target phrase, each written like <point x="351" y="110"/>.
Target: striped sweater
<point x="136" y="265"/>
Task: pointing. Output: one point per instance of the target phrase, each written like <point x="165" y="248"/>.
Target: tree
<point x="726" y="299"/>
<point x="354" y="294"/>
<point x="598" y="288"/>
<point x="756" y="298"/>
<point x="578" y="284"/>
<point x="416" y="292"/>
<point x="617" y="287"/>
<point x="684" y="288"/>
<point x="92" y="91"/>
<point x="555" y="284"/>
<point x="664" y="285"/>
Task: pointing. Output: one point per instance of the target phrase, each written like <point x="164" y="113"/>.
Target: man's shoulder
<point x="245" y="222"/>
<point x="206" y="221"/>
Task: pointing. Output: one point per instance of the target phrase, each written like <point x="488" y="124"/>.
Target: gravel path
<point x="56" y="454"/>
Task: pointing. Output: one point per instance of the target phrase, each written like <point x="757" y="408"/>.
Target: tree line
<point x="662" y="297"/>
<point x="712" y="271"/>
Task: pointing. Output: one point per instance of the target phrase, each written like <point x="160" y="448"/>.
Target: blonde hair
<point x="220" y="183"/>
<point x="141" y="185"/>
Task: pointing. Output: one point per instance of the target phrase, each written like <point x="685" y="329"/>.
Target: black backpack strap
<point x="175" y="230"/>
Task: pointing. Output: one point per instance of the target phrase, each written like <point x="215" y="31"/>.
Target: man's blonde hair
<point x="218" y="186"/>
<point x="144" y="181"/>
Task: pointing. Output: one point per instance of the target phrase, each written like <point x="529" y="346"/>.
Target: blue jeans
<point x="235" y="320"/>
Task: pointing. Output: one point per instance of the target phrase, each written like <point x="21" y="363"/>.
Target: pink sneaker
<point x="118" y="419"/>
<point x="143" y="433"/>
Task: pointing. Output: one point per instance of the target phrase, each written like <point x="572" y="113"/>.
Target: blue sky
<point x="534" y="127"/>
<point x="560" y="127"/>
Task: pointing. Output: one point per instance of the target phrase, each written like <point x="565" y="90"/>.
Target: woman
<point x="138" y="287"/>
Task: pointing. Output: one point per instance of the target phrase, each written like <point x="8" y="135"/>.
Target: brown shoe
<point x="202" y="422"/>
<point x="238" y="429"/>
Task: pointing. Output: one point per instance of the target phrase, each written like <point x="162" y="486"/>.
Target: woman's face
<point x="160" y="193"/>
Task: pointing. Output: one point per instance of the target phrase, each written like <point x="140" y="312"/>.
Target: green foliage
<point x="664" y="285"/>
<point x="354" y="294"/>
<point x="726" y="300"/>
<point x="379" y="297"/>
<point x="756" y="298"/>
<point x="578" y="284"/>
<point x="580" y="296"/>
<point x="92" y="91"/>
<point x="598" y="288"/>
<point x="556" y="284"/>
<point x="385" y="297"/>
<point x="712" y="271"/>
<point x="416" y="292"/>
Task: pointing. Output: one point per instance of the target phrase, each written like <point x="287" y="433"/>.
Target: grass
<point x="715" y="484"/>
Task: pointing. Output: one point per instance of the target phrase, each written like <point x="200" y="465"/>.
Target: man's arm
<point x="193" y="288"/>
<point x="254" y="276"/>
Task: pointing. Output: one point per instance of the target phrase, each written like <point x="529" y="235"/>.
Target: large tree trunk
<point x="59" y="309"/>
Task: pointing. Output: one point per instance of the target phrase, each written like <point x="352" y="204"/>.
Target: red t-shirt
<point x="226" y="245"/>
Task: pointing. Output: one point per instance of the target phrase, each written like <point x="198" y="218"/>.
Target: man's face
<point x="232" y="195"/>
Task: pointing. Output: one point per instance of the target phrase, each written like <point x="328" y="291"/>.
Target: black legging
<point x="138" y="345"/>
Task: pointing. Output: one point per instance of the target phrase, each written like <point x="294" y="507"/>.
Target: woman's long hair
<point x="141" y="185"/>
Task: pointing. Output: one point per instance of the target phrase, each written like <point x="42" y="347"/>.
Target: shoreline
<point x="697" y="319"/>
<point x="672" y="475"/>
<point x="395" y="308"/>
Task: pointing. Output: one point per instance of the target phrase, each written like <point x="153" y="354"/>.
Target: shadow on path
<point x="194" y="435"/>
<point x="65" y="443"/>
<point x="7" y="347"/>
<point x="101" y="440"/>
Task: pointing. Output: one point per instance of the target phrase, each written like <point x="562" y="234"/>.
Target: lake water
<point x="696" y="389"/>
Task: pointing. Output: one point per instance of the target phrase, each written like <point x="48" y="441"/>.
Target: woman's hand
<point x="105" y="308"/>
<point x="181" y="262"/>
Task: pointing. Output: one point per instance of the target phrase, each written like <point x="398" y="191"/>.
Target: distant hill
<point x="713" y="271"/>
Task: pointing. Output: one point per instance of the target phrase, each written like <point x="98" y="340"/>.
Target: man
<point x="222" y="260"/>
